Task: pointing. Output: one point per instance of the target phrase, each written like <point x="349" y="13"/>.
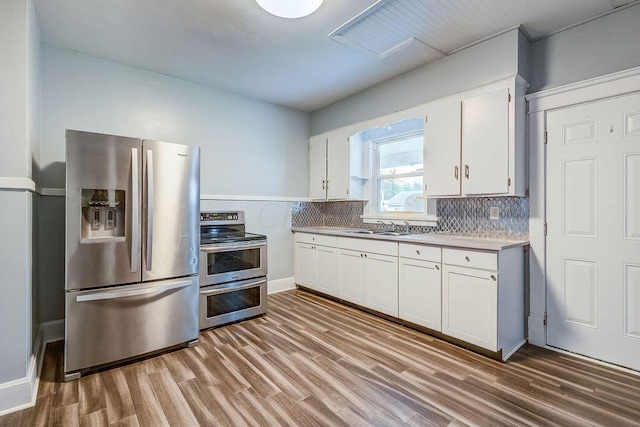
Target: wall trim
<point x="280" y="285"/>
<point x="60" y="192"/>
<point x="606" y="86"/>
<point x="253" y="198"/>
<point x="12" y="183"/>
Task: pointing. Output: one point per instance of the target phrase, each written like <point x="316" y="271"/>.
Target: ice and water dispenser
<point x="103" y="215"/>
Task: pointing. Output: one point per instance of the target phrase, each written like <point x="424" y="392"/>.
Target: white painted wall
<point x="248" y="148"/>
<point x="488" y="61"/>
<point x="596" y="48"/>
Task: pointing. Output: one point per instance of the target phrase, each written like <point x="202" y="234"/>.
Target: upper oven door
<point x="226" y="263"/>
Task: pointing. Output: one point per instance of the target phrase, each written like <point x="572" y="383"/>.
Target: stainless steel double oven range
<point x="233" y="270"/>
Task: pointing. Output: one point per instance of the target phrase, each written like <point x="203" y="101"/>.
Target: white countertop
<point x="446" y="240"/>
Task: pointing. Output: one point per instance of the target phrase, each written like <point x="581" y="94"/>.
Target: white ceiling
<point x="235" y="45"/>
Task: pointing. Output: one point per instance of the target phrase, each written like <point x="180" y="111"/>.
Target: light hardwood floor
<point x="311" y="361"/>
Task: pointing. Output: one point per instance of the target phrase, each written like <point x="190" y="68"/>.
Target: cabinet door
<point x="327" y="270"/>
<point x="485" y="143"/>
<point x="317" y="168"/>
<point x="470" y="305"/>
<point x="306" y="273"/>
<point x="442" y="174"/>
<point x="351" y="276"/>
<point x="420" y="296"/>
<point x="338" y="166"/>
<point x="381" y="283"/>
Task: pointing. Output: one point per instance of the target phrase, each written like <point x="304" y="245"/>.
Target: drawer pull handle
<point x="494" y="277"/>
<point x="437" y="267"/>
<point x="467" y="258"/>
<point x="418" y="252"/>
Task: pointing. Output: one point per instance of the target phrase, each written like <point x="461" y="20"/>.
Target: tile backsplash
<point x="462" y="216"/>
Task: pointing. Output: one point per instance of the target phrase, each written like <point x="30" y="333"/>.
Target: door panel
<point x="327" y="270"/>
<point x="171" y="230"/>
<point x="107" y="325"/>
<point x="485" y="143"/>
<point x="351" y="270"/>
<point x="593" y="241"/>
<point x="306" y="265"/>
<point x="442" y="174"/>
<point x="97" y="162"/>
<point x="381" y="283"/>
<point x="420" y="293"/>
<point x="317" y="168"/>
<point x="338" y="167"/>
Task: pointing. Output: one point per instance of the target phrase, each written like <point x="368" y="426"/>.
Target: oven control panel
<point x="225" y="217"/>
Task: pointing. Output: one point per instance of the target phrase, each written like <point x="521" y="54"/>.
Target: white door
<point x="442" y="172"/>
<point x="327" y="270"/>
<point x="306" y="265"/>
<point x="317" y="168"/>
<point x="485" y="143"/>
<point x="338" y="166"/>
<point x="420" y="296"/>
<point x="593" y="241"/>
<point x="381" y="283"/>
<point x="470" y="305"/>
<point x="351" y="273"/>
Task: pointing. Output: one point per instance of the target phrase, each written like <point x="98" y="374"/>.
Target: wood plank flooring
<point x="311" y="361"/>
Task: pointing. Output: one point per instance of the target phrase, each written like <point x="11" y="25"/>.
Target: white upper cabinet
<point x="474" y="142"/>
<point x="329" y="166"/>
<point x="442" y="175"/>
<point x="318" y="167"/>
<point x="485" y="143"/>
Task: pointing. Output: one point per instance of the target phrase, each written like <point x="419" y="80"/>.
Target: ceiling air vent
<point x="387" y="27"/>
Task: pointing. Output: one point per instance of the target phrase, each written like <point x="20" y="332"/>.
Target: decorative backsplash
<point x="463" y="216"/>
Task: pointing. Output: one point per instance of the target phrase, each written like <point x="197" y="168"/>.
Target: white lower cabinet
<point x="470" y="305"/>
<point x="381" y="283"/>
<point x="420" y="290"/>
<point x="316" y="266"/>
<point x="351" y="276"/>
<point x="471" y="295"/>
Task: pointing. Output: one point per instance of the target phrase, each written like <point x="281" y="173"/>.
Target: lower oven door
<point x="230" y="302"/>
<point x="228" y="263"/>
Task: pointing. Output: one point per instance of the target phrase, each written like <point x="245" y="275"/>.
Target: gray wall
<point x="248" y="147"/>
<point x="19" y="122"/>
<point x="602" y="46"/>
<point x="485" y="62"/>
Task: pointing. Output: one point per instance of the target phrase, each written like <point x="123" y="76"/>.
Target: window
<point x="398" y="173"/>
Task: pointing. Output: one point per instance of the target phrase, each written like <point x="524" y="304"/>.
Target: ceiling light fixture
<point x="290" y="8"/>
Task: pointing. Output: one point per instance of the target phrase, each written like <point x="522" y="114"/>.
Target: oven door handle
<point x="223" y="289"/>
<point x="226" y="248"/>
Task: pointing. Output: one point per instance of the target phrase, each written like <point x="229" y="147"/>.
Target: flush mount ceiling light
<point x="290" y="8"/>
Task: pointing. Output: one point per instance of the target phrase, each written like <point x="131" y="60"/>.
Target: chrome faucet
<point x="382" y="222"/>
<point x="406" y="227"/>
<point x="393" y="226"/>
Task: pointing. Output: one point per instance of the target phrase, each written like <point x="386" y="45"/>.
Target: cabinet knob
<point x="494" y="277"/>
<point x="455" y="172"/>
<point x="437" y="267"/>
<point x="467" y="258"/>
<point x="323" y="184"/>
<point x="365" y="255"/>
<point x="466" y="171"/>
<point x="418" y="252"/>
<point x="361" y="255"/>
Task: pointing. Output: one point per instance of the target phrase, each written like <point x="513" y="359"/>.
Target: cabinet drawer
<point x="371" y="246"/>
<point x="317" y="239"/>
<point x="468" y="258"/>
<point x="421" y="252"/>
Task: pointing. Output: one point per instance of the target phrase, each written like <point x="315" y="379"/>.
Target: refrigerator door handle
<point x="134" y="292"/>
<point x="149" y="208"/>
<point x="134" y="210"/>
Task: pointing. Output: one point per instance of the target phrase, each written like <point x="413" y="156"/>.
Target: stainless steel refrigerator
<point x="132" y="248"/>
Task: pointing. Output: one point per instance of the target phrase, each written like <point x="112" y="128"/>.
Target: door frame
<point x="538" y="105"/>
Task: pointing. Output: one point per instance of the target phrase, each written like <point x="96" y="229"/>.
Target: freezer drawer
<point x="107" y="325"/>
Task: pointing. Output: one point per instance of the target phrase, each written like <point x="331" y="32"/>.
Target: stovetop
<point x="228" y="237"/>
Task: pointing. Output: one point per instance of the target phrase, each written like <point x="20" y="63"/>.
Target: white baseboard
<point x="22" y="393"/>
<point x="280" y="285"/>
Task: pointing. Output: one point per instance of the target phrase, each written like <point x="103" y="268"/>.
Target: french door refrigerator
<point x="132" y="248"/>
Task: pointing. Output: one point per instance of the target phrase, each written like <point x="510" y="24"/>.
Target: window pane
<point x="402" y="156"/>
<point x="400" y="194"/>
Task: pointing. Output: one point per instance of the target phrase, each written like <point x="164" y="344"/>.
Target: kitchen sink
<point x="391" y="233"/>
<point x="358" y="231"/>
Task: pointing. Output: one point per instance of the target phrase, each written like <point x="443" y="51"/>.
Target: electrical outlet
<point x="494" y="212"/>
